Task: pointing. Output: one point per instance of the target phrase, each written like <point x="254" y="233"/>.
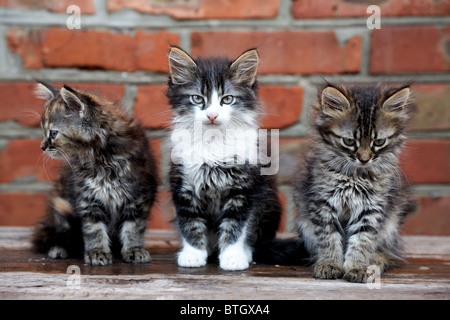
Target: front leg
<point x="235" y="253"/>
<point x="194" y="241"/>
<point x="362" y="244"/>
<point x="95" y="236"/>
<point x="192" y="228"/>
<point x="323" y="237"/>
<point x="132" y="239"/>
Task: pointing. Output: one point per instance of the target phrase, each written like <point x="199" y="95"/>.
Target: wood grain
<point x="425" y="274"/>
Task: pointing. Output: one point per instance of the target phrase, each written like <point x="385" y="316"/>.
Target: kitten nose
<point x="363" y="161"/>
<point x="364" y="156"/>
<point x="212" y="116"/>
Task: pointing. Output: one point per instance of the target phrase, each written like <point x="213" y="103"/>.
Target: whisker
<point x="63" y="153"/>
<point x="30" y="114"/>
<point x="45" y="159"/>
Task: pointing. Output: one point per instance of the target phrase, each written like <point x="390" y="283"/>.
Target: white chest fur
<point x="213" y="145"/>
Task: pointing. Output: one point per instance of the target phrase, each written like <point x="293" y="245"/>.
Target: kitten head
<point x="216" y="92"/>
<point x="66" y="121"/>
<point x="364" y="124"/>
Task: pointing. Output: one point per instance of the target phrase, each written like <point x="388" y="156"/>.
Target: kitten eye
<point x="379" y="142"/>
<point x="196" y="99"/>
<point x="52" y="134"/>
<point x="227" y="100"/>
<point x="349" y="142"/>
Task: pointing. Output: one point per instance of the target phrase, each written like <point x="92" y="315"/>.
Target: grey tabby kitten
<point x="101" y="200"/>
<point x="351" y="198"/>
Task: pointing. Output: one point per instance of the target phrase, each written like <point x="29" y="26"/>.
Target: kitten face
<point x="216" y="92"/>
<point x="363" y="125"/>
<point x="62" y="121"/>
<point x="56" y="128"/>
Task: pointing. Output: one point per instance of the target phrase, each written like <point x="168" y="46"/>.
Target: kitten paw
<point x="326" y="270"/>
<point x="98" y="257"/>
<point x="136" y="255"/>
<point x="358" y="274"/>
<point x="57" y="253"/>
<point x="192" y="257"/>
<point x="234" y="261"/>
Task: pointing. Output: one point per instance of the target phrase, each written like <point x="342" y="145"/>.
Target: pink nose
<point x="212" y="117"/>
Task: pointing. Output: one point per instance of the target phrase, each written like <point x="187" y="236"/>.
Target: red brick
<point x="313" y="9"/>
<point x="282" y="106"/>
<point x="431" y="217"/>
<point x="285" y="52"/>
<point x="195" y="9"/>
<point x="24" y="158"/>
<point x="292" y="152"/>
<point x="20" y="104"/>
<point x="433" y="105"/>
<point x="283" y="199"/>
<point x="110" y="91"/>
<point x="152" y="108"/>
<point x="86" y="6"/>
<point x="155" y="144"/>
<point x="22" y="209"/>
<point x="427" y="161"/>
<point x="163" y="212"/>
<point x="409" y="50"/>
<point x="152" y="49"/>
<point x="27" y="44"/>
<point x="91" y="49"/>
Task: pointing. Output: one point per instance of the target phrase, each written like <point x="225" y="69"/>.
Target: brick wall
<point x="121" y="52"/>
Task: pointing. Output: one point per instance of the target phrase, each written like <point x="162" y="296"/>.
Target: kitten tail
<point x="281" y="252"/>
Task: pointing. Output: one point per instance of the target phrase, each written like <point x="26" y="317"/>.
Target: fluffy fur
<point x="223" y="203"/>
<point x="351" y="196"/>
<point x="107" y="183"/>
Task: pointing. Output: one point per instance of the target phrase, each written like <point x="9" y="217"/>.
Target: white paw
<point x="192" y="257"/>
<point x="234" y="261"/>
<point x="57" y="253"/>
<point x="236" y="256"/>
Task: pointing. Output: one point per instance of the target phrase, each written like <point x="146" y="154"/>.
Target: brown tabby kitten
<point x="107" y="183"/>
<point x="351" y="198"/>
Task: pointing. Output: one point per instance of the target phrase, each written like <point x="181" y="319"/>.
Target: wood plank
<point x="425" y="274"/>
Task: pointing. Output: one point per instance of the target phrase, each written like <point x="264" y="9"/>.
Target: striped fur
<point x="351" y="196"/>
<point x="107" y="184"/>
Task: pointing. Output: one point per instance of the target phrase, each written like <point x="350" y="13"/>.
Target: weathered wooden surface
<point x="26" y="275"/>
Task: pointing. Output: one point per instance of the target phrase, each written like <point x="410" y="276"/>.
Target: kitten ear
<point x="181" y="66"/>
<point x="45" y="90"/>
<point x="245" y="67"/>
<point x="397" y="101"/>
<point x="72" y="99"/>
<point x="332" y="101"/>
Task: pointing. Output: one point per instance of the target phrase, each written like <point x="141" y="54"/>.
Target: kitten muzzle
<point x="212" y="116"/>
<point x="364" y="156"/>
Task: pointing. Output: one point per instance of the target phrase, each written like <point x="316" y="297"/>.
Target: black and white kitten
<point x="223" y="203"/>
